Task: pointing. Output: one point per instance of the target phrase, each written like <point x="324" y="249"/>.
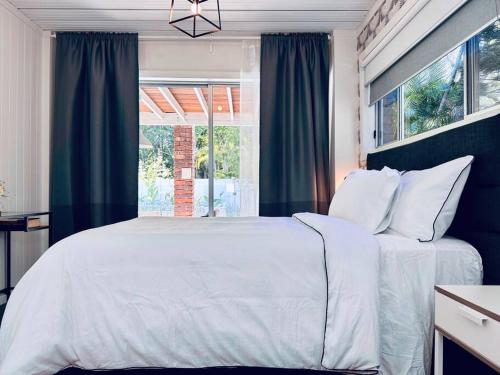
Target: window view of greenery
<point x="227" y="168"/>
<point x="156" y="170"/>
<point x="435" y="97"/>
<point x="388" y="113"/>
<point x="156" y="164"/>
<point x="488" y="60"/>
<point x="227" y="152"/>
<point x="175" y="175"/>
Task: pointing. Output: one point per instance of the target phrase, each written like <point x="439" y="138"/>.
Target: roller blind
<point x="470" y="18"/>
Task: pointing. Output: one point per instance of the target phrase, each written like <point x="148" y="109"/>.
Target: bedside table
<point x="470" y="317"/>
<point x="19" y="222"/>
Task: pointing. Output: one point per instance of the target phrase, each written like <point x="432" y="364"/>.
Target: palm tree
<point x="488" y="42"/>
<point x="435" y="97"/>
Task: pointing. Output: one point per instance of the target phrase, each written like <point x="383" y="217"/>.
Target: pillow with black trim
<point x="365" y="198"/>
<point x="427" y="200"/>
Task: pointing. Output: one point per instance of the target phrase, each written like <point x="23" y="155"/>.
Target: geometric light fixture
<point x="191" y="17"/>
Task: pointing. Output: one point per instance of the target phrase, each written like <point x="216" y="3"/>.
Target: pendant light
<point x="191" y="18"/>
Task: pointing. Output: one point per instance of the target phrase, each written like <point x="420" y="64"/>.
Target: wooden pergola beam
<point x="146" y="99"/>
<point x="170" y="98"/>
<point x="201" y="99"/>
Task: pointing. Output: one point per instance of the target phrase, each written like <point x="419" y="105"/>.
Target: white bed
<point x="159" y="292"/>
<point x="409" y="271"/>
<point x="183" y="293"/>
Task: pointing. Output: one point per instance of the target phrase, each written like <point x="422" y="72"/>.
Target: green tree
<point x="201" y="151"/>
<point x="489" y="65"/>
<point x="227" y="152"/>
<point x="149" y="171"/>
<point x="489" y="45"/>
<point x="435" y="97"/>
<point x="226" y="149"/>
<point x="162" y="139"/>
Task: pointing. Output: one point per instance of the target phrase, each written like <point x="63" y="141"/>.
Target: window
<point x="486" y="61"/>
<point x="437" y="96"/>
<point x="388" y="118"/>
<point x="156" y="169"/>
<point x="176" y="147"/>
<point x="226" y="172"/>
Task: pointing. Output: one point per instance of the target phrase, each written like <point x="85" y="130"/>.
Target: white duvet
<point x="156" y="292"/>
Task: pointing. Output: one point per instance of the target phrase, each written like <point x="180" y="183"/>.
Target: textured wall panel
<point x="20" y="77"/>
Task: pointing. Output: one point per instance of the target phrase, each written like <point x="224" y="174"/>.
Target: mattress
<point x="409" y="271"/>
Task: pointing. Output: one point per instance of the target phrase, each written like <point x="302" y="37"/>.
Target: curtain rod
<point x="167" y="37"/>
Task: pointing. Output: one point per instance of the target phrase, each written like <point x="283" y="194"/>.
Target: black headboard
<point x="478" y="216"/>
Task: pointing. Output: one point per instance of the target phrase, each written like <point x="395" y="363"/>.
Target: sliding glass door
<point x="226" y="146"/>
<point x="190" y="151"/>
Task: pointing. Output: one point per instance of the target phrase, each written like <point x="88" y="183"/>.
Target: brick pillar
<point x="183" y="158"/>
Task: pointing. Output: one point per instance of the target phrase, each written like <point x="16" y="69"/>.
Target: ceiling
<point x="239" y="17"/>
<point x="225" y="99"/>
<point x="165" y="105"/>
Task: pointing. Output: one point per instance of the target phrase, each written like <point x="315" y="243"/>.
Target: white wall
<point x="345" y="103"/>
<point x="20" y="132"/>
<point x="190" y="59"/>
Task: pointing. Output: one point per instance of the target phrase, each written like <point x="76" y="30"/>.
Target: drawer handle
<point x="473" y="315"/>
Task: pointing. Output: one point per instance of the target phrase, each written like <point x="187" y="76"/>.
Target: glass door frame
<point x="209" y="85"/>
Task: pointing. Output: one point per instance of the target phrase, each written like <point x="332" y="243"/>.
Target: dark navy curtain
<point x="95" y="132"/>
<point x="294" y="134"/>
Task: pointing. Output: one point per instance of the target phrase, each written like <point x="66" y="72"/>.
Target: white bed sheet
<point x="409" y="271"/>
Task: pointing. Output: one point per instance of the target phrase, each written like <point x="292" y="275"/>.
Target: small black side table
<point x="20" y="225"/>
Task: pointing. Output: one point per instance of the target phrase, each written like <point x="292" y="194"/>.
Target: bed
<point x="477" y="218"/>
<point x="255" y="297"/>
<point x="198" y="293"/>
<point x="310" y="292"/>
<point x="409" y="271"/>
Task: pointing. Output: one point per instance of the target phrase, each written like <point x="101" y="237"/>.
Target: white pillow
<point x="365" y="198"/>
<point x="427" y="200"/>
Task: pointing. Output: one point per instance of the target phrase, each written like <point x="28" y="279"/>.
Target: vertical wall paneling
<point x="43" y="132"/>
<point x="20" y="129"/>
<point x="345" y="103"/>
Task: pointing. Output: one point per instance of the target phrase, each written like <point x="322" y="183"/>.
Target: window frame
<point x="379" y="112"/>
<point x="471" y="95"/>
<point x="209" y="85"/>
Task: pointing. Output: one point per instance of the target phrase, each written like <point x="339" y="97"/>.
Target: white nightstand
<point x="470" y="317"/>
